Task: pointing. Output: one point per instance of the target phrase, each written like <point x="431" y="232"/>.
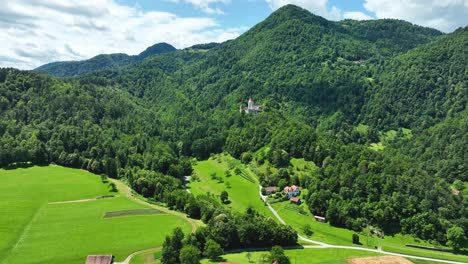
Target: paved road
<point x="325" y="245"/>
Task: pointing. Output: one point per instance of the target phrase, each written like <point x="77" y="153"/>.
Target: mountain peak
<point x="291" y="11"/>
<point x="158" y="48"/>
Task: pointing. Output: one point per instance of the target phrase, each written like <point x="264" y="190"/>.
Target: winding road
<point x="325" y="245"/>
<point x="124" y="189"/>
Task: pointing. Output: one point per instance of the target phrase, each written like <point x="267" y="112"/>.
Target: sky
<point x="35" y="32"/>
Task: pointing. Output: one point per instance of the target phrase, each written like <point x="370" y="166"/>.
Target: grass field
<point x="243" y="192"/>
<point x="301" y="256"/>
<point x="339" y="236"/>
<point x="34" y="231"/>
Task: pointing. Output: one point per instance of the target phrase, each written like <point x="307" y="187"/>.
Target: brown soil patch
<point x="379" y="260"/>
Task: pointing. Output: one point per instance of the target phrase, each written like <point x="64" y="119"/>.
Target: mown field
<point x="32" y="230"/>
<point x="243" y="189"/>
<point x="300" y="256"/>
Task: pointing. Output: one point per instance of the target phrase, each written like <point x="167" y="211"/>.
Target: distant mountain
<point x="101" y="62"/>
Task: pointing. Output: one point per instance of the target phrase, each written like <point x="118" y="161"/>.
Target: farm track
<point x="25" y="231"/>
<point x="129" y="258"/>
<point x="84" y="200"/>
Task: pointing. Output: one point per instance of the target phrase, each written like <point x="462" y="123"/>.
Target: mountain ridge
<point x="102" y="62"/>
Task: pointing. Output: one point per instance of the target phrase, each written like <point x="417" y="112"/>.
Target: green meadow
<point x="243" y="189"/>
<point x="324" y="232"/>
<point x="301" y="256"/>
<point x="34" y="228"/>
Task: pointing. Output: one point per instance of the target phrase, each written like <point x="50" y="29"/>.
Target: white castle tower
<point x="251" y="107"/>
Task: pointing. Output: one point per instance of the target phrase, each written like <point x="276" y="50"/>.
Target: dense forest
<point x="328" y="91"/>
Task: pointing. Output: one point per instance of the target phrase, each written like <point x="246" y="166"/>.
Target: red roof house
<point x="295" y="200"/>
<point x="270" y="190"/>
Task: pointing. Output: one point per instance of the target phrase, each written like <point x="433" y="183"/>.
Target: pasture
<point x="243" y="188"/>
<point x="36" y="229"/>
<point x="300" y="256"/>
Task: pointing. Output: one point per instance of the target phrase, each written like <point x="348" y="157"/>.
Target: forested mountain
<point x="101" y="62"/>
<point x="328" y="90"/>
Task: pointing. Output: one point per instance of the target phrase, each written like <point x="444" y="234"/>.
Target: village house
<point x="295" y="200"/>
<point x="270" y="190"/>
<point x="292" y="191"/>
<point x="251" y="108"/>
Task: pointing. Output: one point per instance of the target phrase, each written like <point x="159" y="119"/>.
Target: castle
<point x="251" y="108"/>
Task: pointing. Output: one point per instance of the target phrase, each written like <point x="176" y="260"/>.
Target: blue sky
<point x="236" y="13"/>
<point x="35" y="32"/>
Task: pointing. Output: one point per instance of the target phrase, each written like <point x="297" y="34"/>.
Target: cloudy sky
<point x="35" y="32"/>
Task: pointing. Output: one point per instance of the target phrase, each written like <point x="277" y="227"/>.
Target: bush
<point x="356" y="239"/>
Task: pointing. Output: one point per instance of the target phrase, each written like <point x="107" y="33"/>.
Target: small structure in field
<point x="320" y="219"/>
<point x="270" y="190"/>
<point x="292" y="191"/>
<point x="100" y="259"/>
<point x="295" y="200"/>
<point x="251" y="108"/>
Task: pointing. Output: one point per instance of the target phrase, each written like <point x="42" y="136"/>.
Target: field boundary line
<point x="84" y="200"/>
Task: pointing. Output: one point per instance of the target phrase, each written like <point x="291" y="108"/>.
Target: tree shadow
<point x="218" y="259"/>
<point x="20" y="165"/>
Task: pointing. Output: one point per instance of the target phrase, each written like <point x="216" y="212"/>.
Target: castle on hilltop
<point x="251" y="108"/>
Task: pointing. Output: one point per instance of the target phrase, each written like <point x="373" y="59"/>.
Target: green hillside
<point x="378" y="108"/>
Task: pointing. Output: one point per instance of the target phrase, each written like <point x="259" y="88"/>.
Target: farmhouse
<point x="292" y="191"/>
<point x="270" y="190"/>
<point x="100" y="259"/>
<point x="251" y="108"/>
<point x="295" y="200"/>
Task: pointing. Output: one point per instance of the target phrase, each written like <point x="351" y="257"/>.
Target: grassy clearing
<point x="243" y="193"/>
<point x="301" y="256"/>
<point x="34" y="231"/>
<point x="132" y="212"/>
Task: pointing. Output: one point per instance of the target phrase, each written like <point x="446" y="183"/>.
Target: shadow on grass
<point x="218" y="259"/>
<point x="22" y="165"/>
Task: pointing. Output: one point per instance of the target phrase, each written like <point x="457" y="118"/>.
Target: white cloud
<point x="356" y="16"/>
<point x="35" y="32"/>
<point x="205" y="5"/>
<point x="445" y="15"/>
<point x="318" y="7"/>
